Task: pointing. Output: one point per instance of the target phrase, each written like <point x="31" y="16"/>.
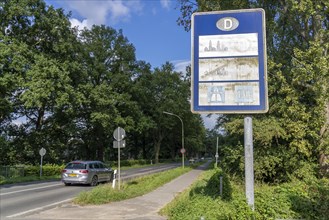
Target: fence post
<point x="221" y="186"/>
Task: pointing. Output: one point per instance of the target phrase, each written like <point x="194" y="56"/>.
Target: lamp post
<point x="183" y="149"/>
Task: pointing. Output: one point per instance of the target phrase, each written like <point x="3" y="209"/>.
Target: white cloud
<point x="102" y="12"/>
<point x="180" y="65"/>
<point x="165" y="4"/>
<point x="80" y="24"/>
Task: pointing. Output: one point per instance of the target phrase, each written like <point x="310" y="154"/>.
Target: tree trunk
<point x="157" y="145"/>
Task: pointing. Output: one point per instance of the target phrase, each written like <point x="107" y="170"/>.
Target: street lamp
<point x="183" y="149"/>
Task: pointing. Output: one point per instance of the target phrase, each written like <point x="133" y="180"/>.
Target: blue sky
<point x="150" y="25"/>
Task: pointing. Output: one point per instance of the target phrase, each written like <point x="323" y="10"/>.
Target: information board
<point x="229" y="72"/>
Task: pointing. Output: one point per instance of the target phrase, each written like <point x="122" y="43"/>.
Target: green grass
<point x="33" y="178"/>
<point x="295" y="200"/>
<point x="23" y="179"/>
<point x="105" y="193"/>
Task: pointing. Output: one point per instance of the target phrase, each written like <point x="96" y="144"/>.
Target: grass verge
<point x="34" y="178"/>
<point x="295" y="200"/>
<point x="24" y="179"/>
<point x="105" y="193"/>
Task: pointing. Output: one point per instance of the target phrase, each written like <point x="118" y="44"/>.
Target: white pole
<point x="41" y="166"/>
<point x="114" y="178"/>
<point x="249" y="161"/>
<point x="119" y="164"/>
<point x="216" y="152"/>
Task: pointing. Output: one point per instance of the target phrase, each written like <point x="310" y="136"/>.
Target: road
<point x="17" y="200"/>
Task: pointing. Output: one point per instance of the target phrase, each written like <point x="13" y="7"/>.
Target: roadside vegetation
<point x="28" y="173"/>
<point x="139" y="186"/>
<point x="61" y="82"/>
<point x="296" y="199"/>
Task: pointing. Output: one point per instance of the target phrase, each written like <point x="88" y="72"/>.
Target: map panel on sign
<point x="242" y="68"/>
<point x="239" y="93"/>
<point x="228" y="45"/>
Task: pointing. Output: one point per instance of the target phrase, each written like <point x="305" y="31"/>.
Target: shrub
<point x="203" y="200"/>
<point x="213" y="185"/>
<point x="47" y="170"/>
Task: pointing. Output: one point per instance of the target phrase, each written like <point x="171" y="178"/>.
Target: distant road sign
<point x="119" y="134"/>
<point x="183" y="150"/>
<point x="119" y="144"/>
<point x="229" y="72"/>
<point x="42" y="152"/>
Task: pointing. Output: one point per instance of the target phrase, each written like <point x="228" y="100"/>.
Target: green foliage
<point x="212" y="189"/>
<point x="198" y="201"/>
<point x="47" y="170"/>
<point x="295" y="130"/>
<point x="25" y="179"/>
<point x="131" y="163"/>
<point x="294" y="200"/>
<point x="133" y="188"/>
<point x="297" y="199"/>
<point x="64" y="84"/>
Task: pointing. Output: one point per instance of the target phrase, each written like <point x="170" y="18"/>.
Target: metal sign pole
<point x="41" y="166"/>
<point x="119" y="166"/>
<point x="119" y="134"/>
<point x="216" y="152"/>
<point x="42" y="153"/>
<point x="249" y="161"/>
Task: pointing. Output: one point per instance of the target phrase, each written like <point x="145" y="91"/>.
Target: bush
<point x="130" y="163"/>
<point x="203" y="200"/>
<point x="213" y="185"/>
<point x="298" y="199"/>
<point x="47" y="170"/>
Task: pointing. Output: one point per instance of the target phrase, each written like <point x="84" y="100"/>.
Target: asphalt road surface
<point x="17" y="200"/>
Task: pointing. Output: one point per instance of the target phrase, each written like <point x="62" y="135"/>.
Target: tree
<point x="36" y="41"/>
<point x="163" y="90"/>
<point x="105" y="88"/>
<point x="295" y="131"/>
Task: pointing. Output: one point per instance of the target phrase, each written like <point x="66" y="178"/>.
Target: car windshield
<point x="74" y="166"/>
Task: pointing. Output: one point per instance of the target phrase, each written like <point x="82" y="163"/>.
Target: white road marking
<point x="25" y="190"/>
<point x="38" y="209"/>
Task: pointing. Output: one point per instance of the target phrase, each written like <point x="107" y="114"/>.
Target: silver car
<point x="86" y="172"/>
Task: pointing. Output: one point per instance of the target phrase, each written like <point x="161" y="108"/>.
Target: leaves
<point x="62" y="84"/>
<point x="296" y="126"/>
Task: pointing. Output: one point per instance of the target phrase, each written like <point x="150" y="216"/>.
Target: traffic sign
<point x="229" y="73"/>
<point x="42" y="152"/>
<point x="119" y="144"/>
<point x="182" y="151"/>
<point x="119" y="134"/>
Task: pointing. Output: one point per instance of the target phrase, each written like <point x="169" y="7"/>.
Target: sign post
<point x="119" y="134"/>
<point x="216" y="156"/>
<point x="229" y="71"/>
<point x="182" y="150"/>
<point x="42" y="153"/>
<point x="249" y="161"/>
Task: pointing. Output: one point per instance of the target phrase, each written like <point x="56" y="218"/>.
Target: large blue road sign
<point x="229" y="62"/>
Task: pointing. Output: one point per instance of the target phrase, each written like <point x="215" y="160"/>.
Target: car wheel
<point x="94" y="181"/>
<point x="67" y="184"/>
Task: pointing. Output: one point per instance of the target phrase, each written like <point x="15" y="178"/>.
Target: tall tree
<point x="295" y="131"/>
<point x="107" y="59"/>
<point x="35" y="66"/>
<point x="163" y="90"/>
